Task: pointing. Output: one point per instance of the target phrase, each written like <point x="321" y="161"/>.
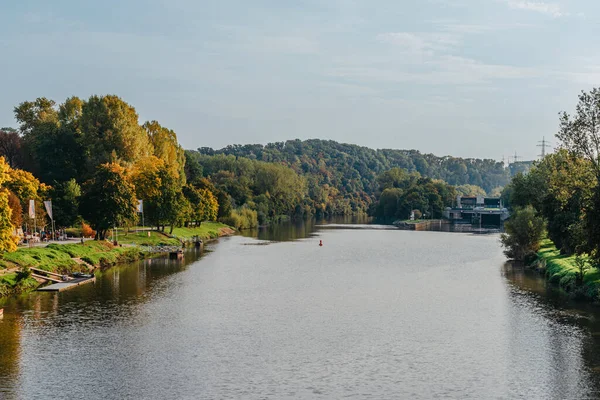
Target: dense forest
<point x="341" y="179"/>
<point x="96" y="162"/>
<point x="354" y="169"/>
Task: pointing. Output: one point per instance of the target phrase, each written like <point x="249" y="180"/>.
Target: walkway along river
<point x="374" y="313"/>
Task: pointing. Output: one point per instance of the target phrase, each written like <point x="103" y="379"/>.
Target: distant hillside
<point x="353" y="168"/>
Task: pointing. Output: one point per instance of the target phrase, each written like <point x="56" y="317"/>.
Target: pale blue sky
<point x="472" y="78"/>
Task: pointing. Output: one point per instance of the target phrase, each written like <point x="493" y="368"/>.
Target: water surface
<point x="373" y="314"/>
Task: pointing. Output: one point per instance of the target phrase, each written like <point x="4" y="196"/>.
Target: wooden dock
<point x="62" y="286"/>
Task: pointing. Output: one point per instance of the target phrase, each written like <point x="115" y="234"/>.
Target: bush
<point x="87" y="231"/>
<point x="524" y="232"/>
<point x="243" y="218"/>
<point x="24" y="273"/>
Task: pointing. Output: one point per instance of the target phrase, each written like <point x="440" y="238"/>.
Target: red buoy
<point x="320" y="243"/>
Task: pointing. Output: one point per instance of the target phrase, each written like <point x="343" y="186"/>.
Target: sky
<point x="468" y="78"/>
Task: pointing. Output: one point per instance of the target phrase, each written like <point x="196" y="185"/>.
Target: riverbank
<point x="421" y="225"/>
<point x="205" y="232"/>
<point x="561" y="270"/>
<point x="91" y="255"/>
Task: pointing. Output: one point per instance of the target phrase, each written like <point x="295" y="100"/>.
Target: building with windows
<point x="477" y="210"/>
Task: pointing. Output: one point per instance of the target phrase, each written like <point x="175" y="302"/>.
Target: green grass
<point x="11" y="284"/>
<point x="208" y="230"/>
<point x="47" y="258"/>
<point x="562" y="270"/>
<point x="8" y="279"/>
<point x="142" y="238"/>
<point x="60" y="258"/>
<point x="98" y="253"/>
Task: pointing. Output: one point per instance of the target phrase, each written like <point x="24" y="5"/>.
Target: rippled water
<point x="381" y="314"/>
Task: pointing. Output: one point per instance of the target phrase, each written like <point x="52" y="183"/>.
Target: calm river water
<point x="373" y="314"/>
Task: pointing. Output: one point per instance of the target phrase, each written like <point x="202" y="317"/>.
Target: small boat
<point x="82" y="275"/>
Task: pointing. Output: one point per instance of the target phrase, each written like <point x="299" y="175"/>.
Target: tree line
<point x="95" y="161"/>
<point x="342" y="179"/>
<point x="560" y="195"/>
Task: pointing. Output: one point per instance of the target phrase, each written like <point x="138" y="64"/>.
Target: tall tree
<point x="65" y="201"/>
<point x="110" y="127"/>
<point x="165" y="146"/>
<point x="51" y="138"/>
<point x="203" y="204"/>
<point x="11" y="147"/>
<point x="580" y="134"/>
<point x="7" y="239"/>
<point x="159" y="186"/>
<point x="108" y="199"/>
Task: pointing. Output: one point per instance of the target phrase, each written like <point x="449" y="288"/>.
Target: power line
<point x="543" y="144"/>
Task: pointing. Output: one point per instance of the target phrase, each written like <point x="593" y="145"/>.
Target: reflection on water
<point x="300" y="229"/>
<point x="373" y="314"/>
<point x="531" y="287"/>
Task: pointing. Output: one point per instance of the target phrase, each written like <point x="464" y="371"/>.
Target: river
<point x="373" y="314"/>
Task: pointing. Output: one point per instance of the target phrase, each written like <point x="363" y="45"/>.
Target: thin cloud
<point x="421" y="42"/>
<point x="552" y="9"/>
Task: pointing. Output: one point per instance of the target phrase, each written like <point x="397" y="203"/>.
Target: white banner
<point x="140" y="207"/>
<point x="48" y="205"/>
<point x="31" y="209"/>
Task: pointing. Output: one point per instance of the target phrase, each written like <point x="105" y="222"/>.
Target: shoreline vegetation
<point x="555" y="207"/>
<point x="562" y="270"/>
<point x="15" y="277"/>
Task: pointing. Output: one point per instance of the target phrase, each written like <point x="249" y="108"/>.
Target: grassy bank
<point x="59" y="258"/>
<point x="77" y="257"/>
<point x="206" y="231"/>
<point x="145" y="238"/>
<point x="562" y="270"/>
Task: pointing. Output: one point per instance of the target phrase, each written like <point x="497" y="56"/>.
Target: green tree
<point x="11" y="147"/>
<point x="203" y="204"/>
<point x="65" y="202"/>
<point x="110" y="126"/>
<point x="387" y="207"/>
<point x="470" y="190"/>
<point x="51" y="138"/>
<point x="193" y="169"/>
<point x="523" y="234"/>
<point x="108" y="199"/>
<point x="580" y="135"/>
<point x="160" y="188"/>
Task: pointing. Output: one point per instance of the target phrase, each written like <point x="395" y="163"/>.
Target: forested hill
<point x="353" y="169"/>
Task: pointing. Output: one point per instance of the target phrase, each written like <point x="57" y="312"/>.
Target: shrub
<point x="23" y="274"/>
<point x="524" y="232"/>
<point x="87" y="231"/>
<point x="243" y="218"/>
